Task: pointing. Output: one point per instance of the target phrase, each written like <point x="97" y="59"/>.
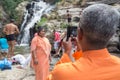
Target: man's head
<point x="98" y="23"/>
<point x="67" y="11"/>
<point x="12" y="20"/>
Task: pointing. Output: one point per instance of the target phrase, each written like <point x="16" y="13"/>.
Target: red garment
<point x="57" y="36"/>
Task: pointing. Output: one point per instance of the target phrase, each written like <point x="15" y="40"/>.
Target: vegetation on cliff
<point x="9" y="7"/>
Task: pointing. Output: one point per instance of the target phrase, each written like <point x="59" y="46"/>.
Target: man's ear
<point x="80" y="33"/>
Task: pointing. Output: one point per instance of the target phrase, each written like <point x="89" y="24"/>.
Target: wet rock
<point x="113" y="49"/>
<point x="76" y="19"/>
<point x="110" y="1"/>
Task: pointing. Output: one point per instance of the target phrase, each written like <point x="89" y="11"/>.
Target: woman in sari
<point x="40" y="49"/>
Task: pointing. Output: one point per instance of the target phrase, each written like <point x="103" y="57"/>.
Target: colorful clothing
<point x="77" y="54"/>
<point x="57" y="36"/>
<point x="42" y="48"/>
<point x="56" y="40"/>
<point x="93" y="65"/>
<point x="4" y="45"/>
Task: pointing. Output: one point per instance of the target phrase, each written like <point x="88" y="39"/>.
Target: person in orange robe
<point x="40" y="49"/>
<point x="98" y="23"/>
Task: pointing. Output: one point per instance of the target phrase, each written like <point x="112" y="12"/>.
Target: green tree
<point x="10" y="5"/>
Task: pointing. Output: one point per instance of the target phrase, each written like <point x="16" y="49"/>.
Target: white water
<point x="39" y="9"/>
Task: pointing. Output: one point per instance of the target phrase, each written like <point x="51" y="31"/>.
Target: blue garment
<point x="3" y="43"/>
<point x="5" y="64"/>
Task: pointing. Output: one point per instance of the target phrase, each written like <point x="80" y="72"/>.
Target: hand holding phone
<point x="71" y="32"/>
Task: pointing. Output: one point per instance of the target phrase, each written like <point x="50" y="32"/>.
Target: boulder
<point x="76" y="19"/>
<point x="110" y="1"/>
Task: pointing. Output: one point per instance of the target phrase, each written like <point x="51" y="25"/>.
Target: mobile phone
<point x="71" y="32"/>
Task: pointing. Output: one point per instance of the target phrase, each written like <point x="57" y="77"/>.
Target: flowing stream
<point x="38" y="8"/>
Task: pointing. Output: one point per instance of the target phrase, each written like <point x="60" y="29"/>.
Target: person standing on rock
<point x="56" y="40"/>
<point x="40" y="49"/>
<point x="10" y="31"/>
<point x="97" y="25"/>
<point x="69" y="19"/>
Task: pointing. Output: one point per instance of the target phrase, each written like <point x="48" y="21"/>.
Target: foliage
<point x="10" y="5"/>
<point x="63" y="25"/>
<point x="57" y="1"/>
<point x="42" y="21"/>
<point x="0" y="15"/>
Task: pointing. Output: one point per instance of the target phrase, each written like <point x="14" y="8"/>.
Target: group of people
<point x="92" y="61"/>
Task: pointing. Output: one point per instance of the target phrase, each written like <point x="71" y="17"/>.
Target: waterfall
<point x="39" y="8"/>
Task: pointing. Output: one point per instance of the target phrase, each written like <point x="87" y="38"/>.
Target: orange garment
<point x="65" y="58"/>
<point x="77" y="54"/>
<point x="42" y="48"/>
<point x="93" y="65"/>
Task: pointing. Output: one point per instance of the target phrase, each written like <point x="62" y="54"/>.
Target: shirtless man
<point x="10" y="30"/>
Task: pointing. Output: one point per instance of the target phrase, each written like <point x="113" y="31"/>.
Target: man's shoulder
<point x="64" y="71"/>
<point x="7" y="24"/>
<point x="64" y="67"/>
<point x="10" y="25"/>
<point x="14" y="25"/>
<point x="116" y="59"/>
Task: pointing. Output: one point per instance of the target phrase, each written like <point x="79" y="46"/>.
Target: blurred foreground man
<point x="97" y="25"/>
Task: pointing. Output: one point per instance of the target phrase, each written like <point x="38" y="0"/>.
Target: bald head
<point x="99" y="23"/>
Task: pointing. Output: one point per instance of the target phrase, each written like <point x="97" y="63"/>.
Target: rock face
<point x="3" y="18"/>
<point x="114" y="43"/>
<point x="110" y="1"/>
<point x="50" y="1"/>
<point x="58" y="18"/>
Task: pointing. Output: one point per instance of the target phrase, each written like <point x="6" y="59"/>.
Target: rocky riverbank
<point x="22" y="74"/>
<point x="27" y="73"/>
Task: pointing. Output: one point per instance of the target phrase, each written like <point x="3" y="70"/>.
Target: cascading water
<point x="39" y="8"/>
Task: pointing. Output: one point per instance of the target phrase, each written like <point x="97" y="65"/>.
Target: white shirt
<point x="19" y="58"/>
